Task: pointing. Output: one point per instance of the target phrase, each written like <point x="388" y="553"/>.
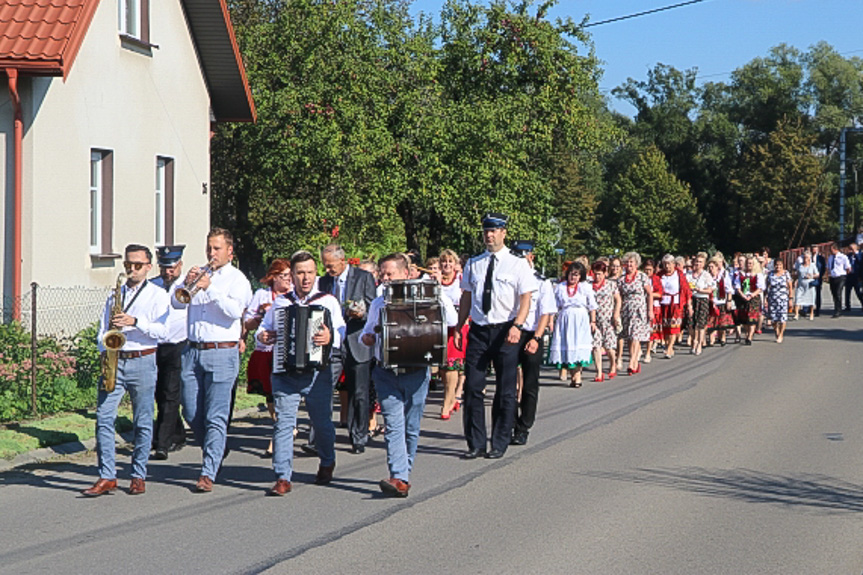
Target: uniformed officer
<point x="143" y="322"/>
<point x="542" y="308"/>
<point x="497" y="291"/>
<point x="169" y="434"/>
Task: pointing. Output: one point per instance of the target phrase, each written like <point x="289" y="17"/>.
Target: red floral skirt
<point x="455" y="357"/>
<point x="672" y="318"/>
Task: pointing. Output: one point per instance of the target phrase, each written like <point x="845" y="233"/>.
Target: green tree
<point x="781" y="186"/>
<point x="654" y="212"/>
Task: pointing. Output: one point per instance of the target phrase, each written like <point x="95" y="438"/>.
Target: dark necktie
<point x="487" y="286"/>
<point x="336" y="289"/>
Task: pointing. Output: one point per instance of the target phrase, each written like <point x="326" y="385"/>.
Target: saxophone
<point x="113" y="340"/>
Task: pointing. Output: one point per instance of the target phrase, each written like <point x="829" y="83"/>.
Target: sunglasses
<point x="137" y="265"/>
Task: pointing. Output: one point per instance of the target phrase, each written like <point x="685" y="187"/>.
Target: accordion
<point x="294" y="350"/>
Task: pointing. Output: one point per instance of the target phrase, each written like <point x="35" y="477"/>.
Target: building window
<point x="134" y="19"/>
<point x="164" y="201"/>
<point x="101" y="202"/>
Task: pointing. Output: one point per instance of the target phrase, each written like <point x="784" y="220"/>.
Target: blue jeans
<point x="402" y="398"/>
<point x="288" y="389"/>
<point x="138" y="377"/>
<point x="208" y="378"/>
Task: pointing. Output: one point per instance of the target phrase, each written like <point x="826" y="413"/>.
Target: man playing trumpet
<point x="211" y="360"/>
<point x="139" y="310"/>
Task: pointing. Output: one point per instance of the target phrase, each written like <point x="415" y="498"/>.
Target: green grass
<point x="24" y="436"/>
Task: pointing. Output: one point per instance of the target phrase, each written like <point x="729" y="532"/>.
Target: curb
<point x="55" y="452"/>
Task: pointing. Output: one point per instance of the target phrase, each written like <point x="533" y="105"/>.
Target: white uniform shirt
<point x="450" y="318"/>
<point x="512" y="278"/>
<point x="262" y="296"/>
<point x="328" y="301"/>
<point x="177" y="318"/>
<point x="542" y="303"/>
<point x="215" y="314"/>
<point x="838" y="265"/>
<point x="148" y="304"/>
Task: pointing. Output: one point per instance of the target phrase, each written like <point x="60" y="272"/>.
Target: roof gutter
<point x="12" y="74"/>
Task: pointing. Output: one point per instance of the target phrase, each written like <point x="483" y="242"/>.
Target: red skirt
<point x="656" y="325"/>
<point x="672" y="318"/>
<point x="455" y="357"/>
<point x="258" y="373"/>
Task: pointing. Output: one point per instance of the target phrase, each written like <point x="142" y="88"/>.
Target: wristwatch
<point x="519" y="326"/>
<point x="537" y="338"/>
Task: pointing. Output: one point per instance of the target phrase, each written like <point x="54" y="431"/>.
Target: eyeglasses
<point x="137" y="265"/>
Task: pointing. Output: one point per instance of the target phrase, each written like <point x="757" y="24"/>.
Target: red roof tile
<point x="43" y="36"/>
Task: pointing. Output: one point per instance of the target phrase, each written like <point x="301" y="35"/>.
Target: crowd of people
<point x="610" y="316"/>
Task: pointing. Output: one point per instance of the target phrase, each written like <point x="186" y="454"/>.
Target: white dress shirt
<point x="328" y="301"/>
<point x="450" y="318"/>
<point x="177" y="317"/>
<point x="542" y="302"/>
<point x="215" y="314"/>
<point x="838" y="265"/>
<point x="148" y="304"/>
<point x="512" y="278"/>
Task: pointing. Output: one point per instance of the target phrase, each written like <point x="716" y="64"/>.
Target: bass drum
<point x="413" y="335"/>
<point x="409" y="291"/>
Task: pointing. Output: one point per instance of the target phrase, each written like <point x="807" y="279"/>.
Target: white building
<point x="113" y="101"/>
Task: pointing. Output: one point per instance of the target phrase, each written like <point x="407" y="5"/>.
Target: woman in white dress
<point x="804" y="288"/>
<point x="572" y="344"/>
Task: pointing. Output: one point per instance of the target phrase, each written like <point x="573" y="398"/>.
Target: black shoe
<point x="473" y="453"/>
<point x="357" y="449"/>
<point x="518" y="438"/>
<point x="309" y="449"/>
<point x="177" y="446"/>
<point x="494" y="454"/>
<point x="747" y="342"/>
<point x="160" y="455"/>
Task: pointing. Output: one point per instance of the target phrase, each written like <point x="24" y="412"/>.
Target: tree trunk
<point x="406" y="213"/>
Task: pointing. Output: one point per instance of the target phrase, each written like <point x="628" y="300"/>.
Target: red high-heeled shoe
<point x="599" y="379"/>
<point x="445" y="416"/>
<point x="456" y="405"/>
<point x="611" y="375"/>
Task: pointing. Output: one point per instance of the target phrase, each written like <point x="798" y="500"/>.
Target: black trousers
<point x="487" y="344"/>
<point x="358" y="374"/>
<point x="837" y="286"/>
<point x="169" y="427"/>
<point x="530" y="366"/>
<point x="818" y="297"/>
<point x="852" y="283"/>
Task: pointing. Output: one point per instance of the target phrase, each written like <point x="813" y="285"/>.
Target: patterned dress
<point x="777" y="296"/>
<point x="605" y="335"/>
<point x="633" y="307"/>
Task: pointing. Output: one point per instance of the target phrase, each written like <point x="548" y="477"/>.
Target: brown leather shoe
<point x="137" y="486"/>
<point x="395" y="487"/>
<point x="204" y="484"/>
<point x="325" y="474"/>
<point x="101" y="487"/>
<point x="281" y="487"/>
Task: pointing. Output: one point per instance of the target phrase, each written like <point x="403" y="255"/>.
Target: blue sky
<point x="716" y="36"/>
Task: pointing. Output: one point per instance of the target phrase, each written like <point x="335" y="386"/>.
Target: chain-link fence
<point x="48" y="356"/>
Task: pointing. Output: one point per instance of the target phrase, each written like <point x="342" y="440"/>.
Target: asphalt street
<point x="743" y="460"/>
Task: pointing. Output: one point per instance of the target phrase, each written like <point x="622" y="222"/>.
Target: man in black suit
<point x="821" y="263"/>
<point x="355" y="289"/>
<point x="852" y="282"/>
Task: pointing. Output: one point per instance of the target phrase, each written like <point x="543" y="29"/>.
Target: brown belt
<point x="212" y="344"/>
<point x="134" y="354"/>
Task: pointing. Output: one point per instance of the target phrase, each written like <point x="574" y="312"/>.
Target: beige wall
<point x="140" y="107"/>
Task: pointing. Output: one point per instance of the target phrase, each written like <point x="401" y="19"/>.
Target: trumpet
<point x="185" y="294"/>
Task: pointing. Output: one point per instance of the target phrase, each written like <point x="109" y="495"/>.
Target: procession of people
<point x="178" y="340"/>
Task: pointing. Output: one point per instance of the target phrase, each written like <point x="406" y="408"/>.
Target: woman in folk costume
<point x="607" y="319"/>
<point x="720" y="316"/>
<point x="676" y="297"/>
<point x="749" y="286"/>
<point x="572" y="344"/>
<point x="656" y="293"/>
<point x="702" y="285"/>
<point x="453" y="372"/>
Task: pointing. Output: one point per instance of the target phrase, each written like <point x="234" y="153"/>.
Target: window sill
<point x="105" y="257"/>
<point x="137" y="45"/>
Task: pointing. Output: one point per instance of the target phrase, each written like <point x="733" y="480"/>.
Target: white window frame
<point x="161" y="193"/>
<point x="95" y="200"/>
<point x="127" y="28"/>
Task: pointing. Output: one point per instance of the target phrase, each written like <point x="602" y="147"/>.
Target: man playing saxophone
<point x="139" y="310"/>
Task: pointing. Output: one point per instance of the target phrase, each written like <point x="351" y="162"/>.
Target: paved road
<point x="745" y="460"/>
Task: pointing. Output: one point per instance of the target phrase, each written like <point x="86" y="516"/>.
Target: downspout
<point x="12" y="73"/>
